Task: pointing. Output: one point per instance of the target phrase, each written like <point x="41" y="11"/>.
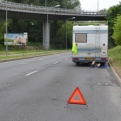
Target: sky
<point x="93" y="4"/>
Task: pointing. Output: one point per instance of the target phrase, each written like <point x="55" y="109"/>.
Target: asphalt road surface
<point x="38" y="89"/>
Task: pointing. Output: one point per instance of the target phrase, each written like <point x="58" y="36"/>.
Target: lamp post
<point x="45" y="3"/>
<point x="46" y="41"/>
<point x="97" y="5"/>
<point x="66" y="29"/>
<point x="6" y="29"/>
<point x="47" y="27"/>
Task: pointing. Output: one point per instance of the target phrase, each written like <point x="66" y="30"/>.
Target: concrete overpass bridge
<point x="25" y="11"/>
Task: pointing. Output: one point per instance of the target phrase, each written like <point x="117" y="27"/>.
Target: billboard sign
<point x="16" y="38"/>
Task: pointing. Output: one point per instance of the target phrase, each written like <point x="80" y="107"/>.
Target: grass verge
<point x="19" y="54"/>
<point x="115" y="59"/>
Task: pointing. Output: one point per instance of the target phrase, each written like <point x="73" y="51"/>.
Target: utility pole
<point x="97" y="5"/>
<point x="6" y="28"/>
<point x="66" y="29"/>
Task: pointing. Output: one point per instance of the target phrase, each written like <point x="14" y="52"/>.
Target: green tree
<point x="58" y="28"/>
<point x="111" y="16"/>
<point x="117" y="30"/>
<point x="36" y="34"/>
<point x="34" y="2"/>
<point x="2" y="31"/>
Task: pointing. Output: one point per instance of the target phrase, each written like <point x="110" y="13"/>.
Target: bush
<point x="58" y="43"/>
<point x="1" y="40"/>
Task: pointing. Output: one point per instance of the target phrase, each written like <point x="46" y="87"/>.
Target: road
<point x="37" y="89"/>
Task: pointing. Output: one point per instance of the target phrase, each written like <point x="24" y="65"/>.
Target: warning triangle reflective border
<point x="77" y="97"/>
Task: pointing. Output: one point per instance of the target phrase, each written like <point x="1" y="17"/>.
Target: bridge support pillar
<point x="46" y="34"/>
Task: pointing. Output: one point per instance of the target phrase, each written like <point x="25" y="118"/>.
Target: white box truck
<point x="92" y="44"/>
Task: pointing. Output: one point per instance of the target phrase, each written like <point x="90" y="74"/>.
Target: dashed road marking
<point x="31" y="73"/>
<point x="55" y="62"/>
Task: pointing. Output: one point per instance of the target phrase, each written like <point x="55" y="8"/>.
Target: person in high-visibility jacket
<point x="74" y="49"/>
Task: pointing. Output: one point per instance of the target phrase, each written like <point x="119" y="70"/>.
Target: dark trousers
<point x="23" y="45"/>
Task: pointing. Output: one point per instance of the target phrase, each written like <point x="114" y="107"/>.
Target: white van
<point x="92" y="44"/>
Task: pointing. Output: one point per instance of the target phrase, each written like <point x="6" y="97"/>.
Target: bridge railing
<point x="12" y="6"/>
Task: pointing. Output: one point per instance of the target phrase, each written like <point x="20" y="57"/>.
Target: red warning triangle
<point x="77" y="97"/>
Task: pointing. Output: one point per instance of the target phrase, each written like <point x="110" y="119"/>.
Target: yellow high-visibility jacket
<point x="74" y="49"/>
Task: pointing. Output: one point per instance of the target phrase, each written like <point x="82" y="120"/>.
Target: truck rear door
<point x="85" y="45"/>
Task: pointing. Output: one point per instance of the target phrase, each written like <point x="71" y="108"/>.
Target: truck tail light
<point x="75" y="58"/>
<point x="103" y="58"/>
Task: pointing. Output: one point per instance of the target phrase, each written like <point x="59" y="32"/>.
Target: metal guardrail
<point x="19" y="7"/>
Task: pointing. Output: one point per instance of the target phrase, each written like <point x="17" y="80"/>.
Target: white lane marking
<point x="66" y="58"/>
<point x="55" y="62"/>
<point x="31" y="73"/>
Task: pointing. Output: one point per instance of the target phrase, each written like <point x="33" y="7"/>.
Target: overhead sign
<point x="77" y="97"/>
